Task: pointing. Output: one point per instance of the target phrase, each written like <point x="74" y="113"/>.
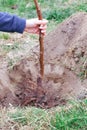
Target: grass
<point x="71" y="117"/>
<point x="52" y="10"/>
<point x="4" y="36"/>
<point x="4" y="49"/>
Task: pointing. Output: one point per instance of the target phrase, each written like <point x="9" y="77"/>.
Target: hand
<point x="35" y="25"/>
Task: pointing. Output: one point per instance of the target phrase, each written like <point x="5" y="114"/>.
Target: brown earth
<point x="65" y="59"/>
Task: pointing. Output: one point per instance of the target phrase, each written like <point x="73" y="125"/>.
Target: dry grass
<point x="70" y="117"/>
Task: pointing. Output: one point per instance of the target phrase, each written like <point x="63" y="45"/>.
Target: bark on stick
<point x="41" y="40"/>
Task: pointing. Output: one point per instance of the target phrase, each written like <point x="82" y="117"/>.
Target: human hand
<point x="34" y="26"/>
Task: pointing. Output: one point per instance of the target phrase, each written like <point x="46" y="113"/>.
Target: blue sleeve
<point x="11" y="23"/>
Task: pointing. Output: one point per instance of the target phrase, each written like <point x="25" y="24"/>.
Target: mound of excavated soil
<point x="65" y="58"/>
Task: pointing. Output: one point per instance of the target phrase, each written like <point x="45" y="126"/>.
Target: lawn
<point x="70" y="117"/>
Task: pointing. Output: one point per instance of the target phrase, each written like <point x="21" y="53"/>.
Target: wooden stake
<point x="41" y="40"/>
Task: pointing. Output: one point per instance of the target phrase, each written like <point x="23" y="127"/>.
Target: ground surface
<point x="65" y="59"/>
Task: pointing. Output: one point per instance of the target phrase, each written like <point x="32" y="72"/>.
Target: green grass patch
<point x="19" y="116"/>
<point x="35" y="117"/>
<point x="4" y="36"/>
<point x="71" y="119"/>
<point x="52" y="10"/>
<point x="59" y="15"/>
<point x="7" y="48"/>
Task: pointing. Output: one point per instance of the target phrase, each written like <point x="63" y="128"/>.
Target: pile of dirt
<point x="65" y="59"/>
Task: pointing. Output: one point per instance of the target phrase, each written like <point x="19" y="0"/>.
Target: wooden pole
<point x="41" y="40"/>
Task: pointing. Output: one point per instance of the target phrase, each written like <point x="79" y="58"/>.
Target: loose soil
<point x="65" y="69"/>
